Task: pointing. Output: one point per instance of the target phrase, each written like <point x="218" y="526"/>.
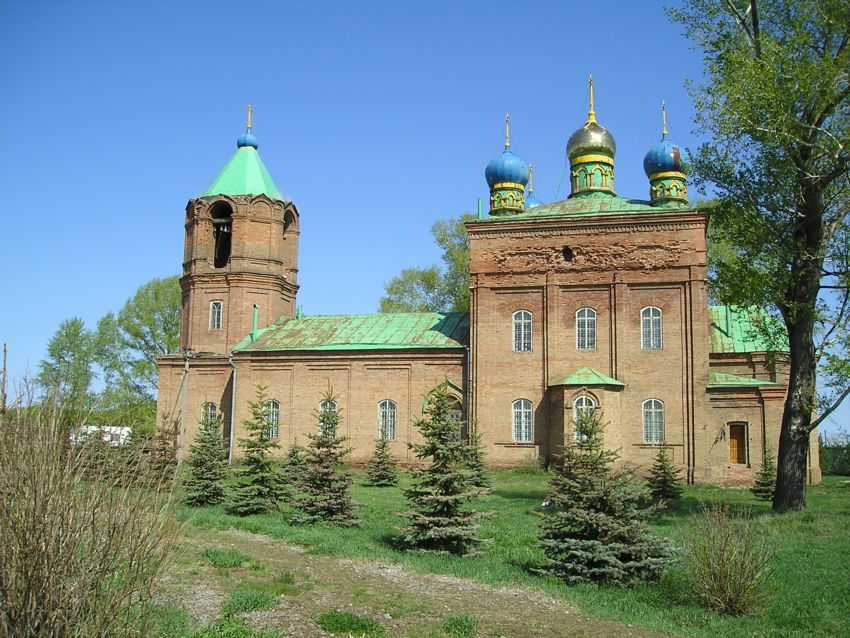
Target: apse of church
<point x="595" y="302"/>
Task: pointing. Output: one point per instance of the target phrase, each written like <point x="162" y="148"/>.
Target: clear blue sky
<point x="376" y="118"/>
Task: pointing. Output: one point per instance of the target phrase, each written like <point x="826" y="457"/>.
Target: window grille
<point x="387" y="419"/>
<point x="650" y="321"/>
<point x="653" y="421"/>
<point x="522" y="421"/>
<point x="586" y="329"/>
<point x="522" y="331"/>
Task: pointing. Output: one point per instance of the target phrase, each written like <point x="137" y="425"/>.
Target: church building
<point x="595" y="302"/>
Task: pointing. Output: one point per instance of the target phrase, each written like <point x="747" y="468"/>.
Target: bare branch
<point x="816" y="422"/>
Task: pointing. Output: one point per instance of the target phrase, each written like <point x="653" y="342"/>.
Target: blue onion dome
<point x="591" y="138"/>
<point x="248" y="138"/>
<point x="665" y="157"/>
<point x="508" y="167"/>
<point x="531" y="201"/>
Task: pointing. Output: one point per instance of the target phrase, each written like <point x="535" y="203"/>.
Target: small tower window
<point x="215" y="315"/>
<point x="222" y="221"/>
<point x="586" y="329"/>
<point x="522" y="331"/>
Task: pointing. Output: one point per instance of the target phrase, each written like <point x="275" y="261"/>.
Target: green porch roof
<point x="380" y="331"/>
<point x="717" y="379"/>
<point x="595" y="204"/>
<point x="588" y="376"/>
<point x="244" y="174"/>
<point x="737" y="330"/>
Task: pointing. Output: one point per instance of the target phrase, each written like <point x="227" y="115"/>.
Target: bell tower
<point x="241" y="252"/>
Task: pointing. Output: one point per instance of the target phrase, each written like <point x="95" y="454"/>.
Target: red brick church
<point x="596" y="302"/>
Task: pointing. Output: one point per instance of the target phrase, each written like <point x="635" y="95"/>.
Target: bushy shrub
<point x="224" y="558"/>
<point x="460" y="626"/>
<point x="247" y="599"/>
<point x="382" y="469"/>
<point x="326" y="487"/>
<point x="293" y="468"/>
<point x="80" y="549"/>
<point x="595" y="529"/>
<point x="727" y="561"/>
<point x="441" y="519"/>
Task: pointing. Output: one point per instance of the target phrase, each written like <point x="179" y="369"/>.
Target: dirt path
<point x="407" y="604"/>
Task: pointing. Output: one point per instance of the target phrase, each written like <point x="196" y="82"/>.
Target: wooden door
<point x="738" y="443"/>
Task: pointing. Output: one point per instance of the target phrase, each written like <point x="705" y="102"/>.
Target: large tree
<point x="775" y="103"/>
<point x="438" y="288"/>
<point x="66" y="374"/>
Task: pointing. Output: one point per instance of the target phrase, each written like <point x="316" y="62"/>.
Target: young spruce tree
<point x="476" y="461"/>
<point x="382" y="469"/>
<point x="326" y="486"/>
<point x="207" y="466"/>
<point x="292" y="471"/>
<point x="764" y="484"/>
<point x="258" y="490"/>
<point x="595" y="530"/>
<point x="664" y="481"/>
<point x="441" y="519"/>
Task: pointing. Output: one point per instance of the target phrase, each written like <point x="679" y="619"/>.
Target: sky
<point x="375" y="118"/>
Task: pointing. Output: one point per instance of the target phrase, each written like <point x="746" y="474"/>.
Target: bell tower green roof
<point x="245" y="173"/>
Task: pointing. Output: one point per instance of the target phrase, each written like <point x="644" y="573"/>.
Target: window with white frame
<point x="328" y="407"/>
<point x="387" y="420"/>
<point x="209" y="411"/>
<point x="215" y="315"/>
<point x="271" y="419"/>
<point x="522" y="421"/>
<point x="522" y="331"/>
<point x="650" y="328"/>
<point x="586" y="329"/>
<point x="653" y="421"/>
<point x="584" y="405"/>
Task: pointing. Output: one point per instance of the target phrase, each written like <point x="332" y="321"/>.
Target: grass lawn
<point x="812" y="566"/>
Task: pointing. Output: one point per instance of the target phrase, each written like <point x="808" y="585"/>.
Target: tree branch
<point x="816" y="422"/>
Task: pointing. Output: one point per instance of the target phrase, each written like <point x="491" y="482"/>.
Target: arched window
<point x="583" y="405"/>
<point x="650" y="328"/>
<point x="653" y="421"/>
<point x="209" y="412"/>
<point x="586" y="329"/>
<point x="522" y="331"/>
<point x="522" y="421"/>
<point x="271" y="419"/>
<point x="387" y="420"/>
<point x="215" y="314"/>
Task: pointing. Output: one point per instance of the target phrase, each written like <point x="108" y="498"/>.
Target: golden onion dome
<point x="591" y="138"/>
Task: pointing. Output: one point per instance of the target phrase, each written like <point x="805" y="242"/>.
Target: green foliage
<point x="341" y="622"/>
<point x="764" y="484"/>
<point x="326" y="487"/>
<point x="224" y="558"/>
<point x="460" y="626"/>
<point x="230" y="628"/>
<point x="162" y="463"/>
<point x="293" y="469"/>
<point x="258" y="489"/>
<point x="66" y="374"/>
<point x="382" y="469"/>
<point x="247" y="599"/>
<point x="775" y="106"/>
<point x="835" y="454"/>
<point x="207" y="466"/>
<point x="596" y="528"/>
<point x="664" y="481"/>
<point x="441" y="519"/>
<point x="727" y="560"/>
<point x="436" y="288"/>
<point x="476" y="461"/>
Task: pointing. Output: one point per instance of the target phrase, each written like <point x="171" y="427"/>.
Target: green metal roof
<point x="717" y="379"/>
<point x="244" y="174"/>
<point x="737" y="330"/>
<point x="586" y="205"/>
<point x="588" y="376"/>
<point x="382" y="331"/>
